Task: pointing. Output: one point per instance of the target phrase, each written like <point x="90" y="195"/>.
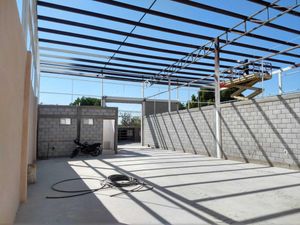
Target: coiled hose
<point x="119" y="181"/>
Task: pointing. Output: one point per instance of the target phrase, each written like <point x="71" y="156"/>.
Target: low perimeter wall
<point x="263" y="131"/>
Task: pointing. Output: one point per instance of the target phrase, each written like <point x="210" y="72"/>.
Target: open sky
<point x="72" y="87"/>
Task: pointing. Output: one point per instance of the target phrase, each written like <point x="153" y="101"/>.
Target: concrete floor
<point x="188" y="189"/>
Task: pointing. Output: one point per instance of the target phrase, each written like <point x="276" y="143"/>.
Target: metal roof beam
<point x="56" y="50"/>
<point x="202" y="51"/>
<point x="120" y="52"/>
<point x="278" y="7"/>
<point x="235" y="15"/>
<point x="41" y="40"/>
<point x="68" y="73"/>
<point x="88" y="37"/>
<point x="150" y="26"/>
<point x="116" y="76"/>
<point x="177" y="18"/>
<point x="101" y="70"/>
<point x="143" y="37"/>
<point x="122" y="65"/>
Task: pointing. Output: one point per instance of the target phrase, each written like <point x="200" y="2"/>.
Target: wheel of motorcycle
<point x="96" y="152"/>
<point x="75" y="152"/>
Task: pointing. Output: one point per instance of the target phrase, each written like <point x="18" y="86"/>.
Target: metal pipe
<point x="280" y="89"/>
<point x="217" y="100"/>
<point x="169" y="90"/>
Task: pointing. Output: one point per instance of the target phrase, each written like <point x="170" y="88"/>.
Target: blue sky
<point x="92" y="87"/>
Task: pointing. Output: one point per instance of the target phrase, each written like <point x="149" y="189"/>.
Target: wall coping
<point x="238" y="103"/>
<point x="75" y="106"/>
<point x="262" y="100"/>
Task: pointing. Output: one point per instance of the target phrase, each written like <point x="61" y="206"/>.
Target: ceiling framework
<point x="164" y="58"/>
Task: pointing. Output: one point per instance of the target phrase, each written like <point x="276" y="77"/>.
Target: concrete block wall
<point x="160" y="106"/>
<point x="93" y="133"/>
<point x="55" y="139"/>
<point x="266" y="130"/>
<point x="263" y="131"/>
<point x="186" y="130"/>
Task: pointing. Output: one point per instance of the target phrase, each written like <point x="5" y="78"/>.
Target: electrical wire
<point x="129" y="34"/>
<point x="119" y="181"/>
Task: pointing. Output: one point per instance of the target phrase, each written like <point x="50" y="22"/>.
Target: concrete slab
<point x="188" y="189"/>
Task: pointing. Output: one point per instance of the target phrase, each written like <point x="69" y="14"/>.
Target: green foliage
<point x="84" y="101"/>
<point x="207" y="97"/>
<point x="136" y="121"/>
<point x="127" y="120"/>
<point x="181" y="106"/>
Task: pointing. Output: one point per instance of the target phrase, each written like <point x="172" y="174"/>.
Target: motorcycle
<point x="85" y="148"/>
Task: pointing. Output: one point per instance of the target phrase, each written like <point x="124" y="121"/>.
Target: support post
<point x="177" y="96"/>
<point x="143" y="123"/>
<point x="103" y="101"/>
<point x="143" y="113"/>
<point x="169" y="90"/>
<point x="102" y="86"/>
<point x="217" y="100"/>
<point x="262" y="78"/>
<point x="280" y="91"/>
<point x="143" y="91"/>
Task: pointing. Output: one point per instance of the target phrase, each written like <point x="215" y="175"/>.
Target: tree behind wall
<point x="207" y="97"/>
<point x="127" y="120"/>
<point x="85" y="101"/>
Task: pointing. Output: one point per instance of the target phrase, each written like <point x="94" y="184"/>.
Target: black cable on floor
<point x="119" y="181"/>
<point x="79" y="192"/>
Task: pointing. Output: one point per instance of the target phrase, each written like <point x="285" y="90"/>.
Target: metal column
<point x="280" y="83"/>
<point x="143" y="123"/>
<point x="143" y="114"/>
<point x="217" y="100"/>
<point x="102" y="86"/>
<point x="169" y="90"/>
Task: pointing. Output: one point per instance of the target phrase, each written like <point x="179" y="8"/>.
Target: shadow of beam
<point x="178" y="136"/>
<point x="152" y="131"/>
<point x="166" y="162"/>
<point x="210" y="129"/>
<point x="160" y="132"/>
<point x="167" y="130"/>
<point x="290" y="109"/>
<point x="229" y="180"/>
<point x="199" y="134"/>
<point x="284" y="143"/>
<point x="246" y="193"/>
<point x="234" y="139"/>
<point x="253" y="136"/>
<point x="195" y="173"/>
<point x="150" y="211"/>
<point x="271" y="216"/>
<point x="187" y="133"/>
<point x="168" y="195"/>
<point x="149" y="158"/>
<point x="196" y="166"/>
